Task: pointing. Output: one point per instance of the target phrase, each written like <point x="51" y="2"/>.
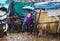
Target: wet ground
<point x="27" y="37"/>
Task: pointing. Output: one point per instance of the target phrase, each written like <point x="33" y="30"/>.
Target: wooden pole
<point x="59" y="25"/>
<point x="36" y="22"/>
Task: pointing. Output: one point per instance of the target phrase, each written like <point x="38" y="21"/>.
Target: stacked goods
<point x="47" y="23"/>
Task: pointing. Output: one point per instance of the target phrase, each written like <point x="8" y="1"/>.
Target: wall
<point x="53" y="12"/>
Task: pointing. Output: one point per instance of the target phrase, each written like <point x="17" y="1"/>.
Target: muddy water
<point x="47" y="39"/>
<point x="27" y="37"/>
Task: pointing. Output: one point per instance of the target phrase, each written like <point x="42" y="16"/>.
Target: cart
<point x="45" y="7"/>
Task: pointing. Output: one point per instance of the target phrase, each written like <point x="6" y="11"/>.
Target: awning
<point x="47" y="5"/>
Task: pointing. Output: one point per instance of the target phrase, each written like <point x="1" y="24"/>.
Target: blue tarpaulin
<point x="3" y="1"/>
<point x="47" y="5"/>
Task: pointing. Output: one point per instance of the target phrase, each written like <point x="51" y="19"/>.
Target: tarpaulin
<point x="47" y="5"/>
<point x="18" y="7"/>
<point x="3" y="1"/>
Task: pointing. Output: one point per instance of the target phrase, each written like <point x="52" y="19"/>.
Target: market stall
<point x="46" y="16"/>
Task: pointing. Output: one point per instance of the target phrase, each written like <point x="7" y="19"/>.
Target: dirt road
<point x="27" y="37"/>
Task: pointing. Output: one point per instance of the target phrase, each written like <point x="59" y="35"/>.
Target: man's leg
<point x="29" y="28"/>
<point x="23" y="27"/>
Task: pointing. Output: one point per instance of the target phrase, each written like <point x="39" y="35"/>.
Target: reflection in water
<point x="27" y="37"/>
